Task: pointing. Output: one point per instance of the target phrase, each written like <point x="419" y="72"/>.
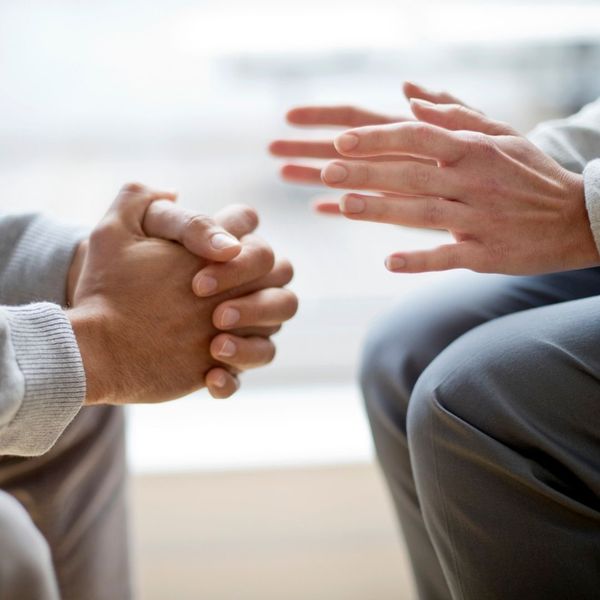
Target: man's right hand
<point x="143" y="334"/>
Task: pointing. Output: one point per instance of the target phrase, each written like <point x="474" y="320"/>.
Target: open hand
<point x="338" y="117"/>
<point x="510" y="207"/>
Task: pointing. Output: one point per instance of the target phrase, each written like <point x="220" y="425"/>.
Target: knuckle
<point x="133" y="187"/>
<point x="286" y="270"/>
<point x="482" y="146"/>
<point x="103" y="231"/>
<point x="460" y="109"/>
<point x="494" y="214"/>
<point x="504" y="128"/>
<point x="418" y="132"/>
<point x="492" y="189"/>
<point x="498" y="252"/>
<point x="407" y="133"/>
<point x="247" y="214"/>
<point x="452" y="258"/>
<point x="264" y="256"/>
<point x="290" y="303"/>
<point x="196" y="224"/>
<point x="419" y="177"/>
<point x="457" y="114"/>
<point x="433" y="213"/>
<point x="520" y="147"/>
<point x="474" y="263"/>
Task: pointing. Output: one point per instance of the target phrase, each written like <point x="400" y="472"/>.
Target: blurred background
<point x="274" y="492"/>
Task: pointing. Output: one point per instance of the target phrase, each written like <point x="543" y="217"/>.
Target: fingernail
<point x="230" y="317"/>
<point x="352" y="204"/>
<point x="346" y="142"/>
<point x="205" y="285"/>
<point x="334" y="173"/>
<point x="421" y="102"/>
<point x="395" y="263"/>
<point x="220" y="379"/>
<point x="228" y="349"/>
<point x="221" y="241"/>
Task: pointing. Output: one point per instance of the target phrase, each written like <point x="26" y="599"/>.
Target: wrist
<point x="92" y="339"/>
<point x="75" y="270"/>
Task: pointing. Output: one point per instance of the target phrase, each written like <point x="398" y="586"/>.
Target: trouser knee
<point x="26" y="570"/>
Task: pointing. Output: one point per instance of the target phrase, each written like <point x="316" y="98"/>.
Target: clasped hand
<point x="165" y="301"/>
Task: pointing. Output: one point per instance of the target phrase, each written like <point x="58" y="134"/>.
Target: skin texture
<point x="510" y="208"/>
<point x="143" y="333"/>
<point x="165" y="220"/>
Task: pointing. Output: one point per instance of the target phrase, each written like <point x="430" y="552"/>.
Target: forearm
<point x="573" y="141"/>
<point x="35" y="257"/>
<point x="43" y="381"/>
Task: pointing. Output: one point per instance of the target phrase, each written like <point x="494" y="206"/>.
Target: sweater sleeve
<point x="35" y="256"/>
<point x="574" y="141"/>
<point x="591" y="185"/>
<point x="42" y="379"/>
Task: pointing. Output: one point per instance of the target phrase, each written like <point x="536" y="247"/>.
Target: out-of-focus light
<point x="279" y="29"/>
<point x="276" y="28"/>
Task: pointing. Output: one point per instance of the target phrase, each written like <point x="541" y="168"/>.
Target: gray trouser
<point x="63" y="527"/>
<point x="483" y="394"/>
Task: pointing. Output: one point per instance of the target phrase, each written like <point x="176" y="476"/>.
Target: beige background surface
<point x="299" y="534"/>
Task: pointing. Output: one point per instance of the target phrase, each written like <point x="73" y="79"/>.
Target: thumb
<point x="196" y="232"/>
<point x="132" y="202"/>
<point x="458" y="117"/>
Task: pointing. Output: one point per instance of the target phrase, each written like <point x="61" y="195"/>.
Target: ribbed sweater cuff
<point x="47" y="354"/>
<point x="591" y="182"/>
<point x="39" y="263"/>
<point x="549" y="139"/>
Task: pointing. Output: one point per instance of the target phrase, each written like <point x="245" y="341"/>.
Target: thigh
<point x="76" y="496"/>
<point x="430" y="317"/>
<point x="404" y="342"/>
<point x="504" y="439"/>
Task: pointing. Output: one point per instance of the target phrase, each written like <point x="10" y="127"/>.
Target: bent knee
<point x="495" y="380"/>
<point x="461" y="383"/>
<point x="25" y="558"/>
